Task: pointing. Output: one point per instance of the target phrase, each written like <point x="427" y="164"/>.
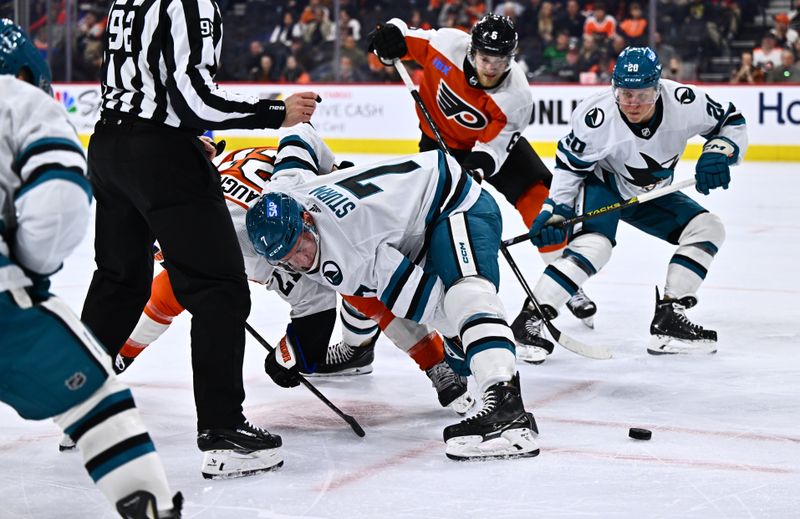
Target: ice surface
<point x="726" y="433"/>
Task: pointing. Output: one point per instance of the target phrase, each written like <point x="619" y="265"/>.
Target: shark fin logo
<point x="594" y="117"/>
<point x="653" y="172"/>
<point x="332" y="273"/>
<point x="685" y="95"/>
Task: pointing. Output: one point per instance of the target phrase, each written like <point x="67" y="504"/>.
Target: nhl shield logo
<point x="594" y="117"/>
<point x="76" y="381"/>
<point x="332" y="273"/>
<point x="685" y="95"/>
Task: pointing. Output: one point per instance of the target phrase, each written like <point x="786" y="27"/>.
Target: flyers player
<point x="480" y="100"/>
<point x="243" y="174"/>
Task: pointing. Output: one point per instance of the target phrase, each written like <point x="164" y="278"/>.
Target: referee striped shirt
<point x="159" y="61"/>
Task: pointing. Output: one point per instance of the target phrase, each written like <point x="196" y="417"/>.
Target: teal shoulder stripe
<point x="295" y="140"/>
<point x="50" y="142"/>
<point x="58" y="174"/>
<point x="575" y="161"/>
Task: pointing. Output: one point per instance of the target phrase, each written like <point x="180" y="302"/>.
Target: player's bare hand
<point x="300" y="107"/>
<point x="208" y="146"/>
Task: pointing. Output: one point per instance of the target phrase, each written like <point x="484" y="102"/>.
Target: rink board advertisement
<point x="381" y="118"/>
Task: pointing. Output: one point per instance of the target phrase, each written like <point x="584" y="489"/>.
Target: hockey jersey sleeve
<point x="505" y="127"/>
<point x="721" y="121"/>
<point x="302" y="154"/>
<point x="576" y="157"/>
<point x="53" y="200"/>
<point x="405" y="288"/>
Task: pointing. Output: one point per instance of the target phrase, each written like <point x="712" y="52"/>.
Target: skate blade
<point x="349" y="372"/>
<point x="588" y="322"/>
<point x="666" y="345"/>
<point x="462" y="404"/>
<point x="226" y="464"/>
<point x="531" y="354"/>
<point x="514" y="443"/>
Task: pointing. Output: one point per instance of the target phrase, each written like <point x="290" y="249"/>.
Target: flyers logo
<point x="453" y="107"/>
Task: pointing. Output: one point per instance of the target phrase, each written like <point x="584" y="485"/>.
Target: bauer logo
<point x="66" y="100"/>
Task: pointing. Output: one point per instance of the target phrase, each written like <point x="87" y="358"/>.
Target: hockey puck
<point x="640" y="434"/>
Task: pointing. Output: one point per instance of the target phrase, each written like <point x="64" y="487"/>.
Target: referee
<point x="152" y="179"/>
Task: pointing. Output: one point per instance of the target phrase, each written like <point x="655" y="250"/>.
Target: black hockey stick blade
<point x="344" y="416"/>
<point x="564" y="340"/>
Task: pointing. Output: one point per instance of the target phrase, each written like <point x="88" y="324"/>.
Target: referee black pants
<point x="155" y="182"/>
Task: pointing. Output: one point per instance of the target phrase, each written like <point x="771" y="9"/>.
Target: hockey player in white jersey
<point x="243" y="173"/>
<point x="50" y="365"/>
<point x="421" y="236"/>
<point x="625" y="142"/>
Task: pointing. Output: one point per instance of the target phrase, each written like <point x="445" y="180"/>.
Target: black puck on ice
<point x="640" y="434"/>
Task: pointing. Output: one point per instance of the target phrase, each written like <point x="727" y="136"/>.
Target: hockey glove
<point x="547" y="228"/>
<point x="475" y="174"/>
<point x="40" y="290"/>
<point x="713" y="170"/>
<point x="282" y="363"/>
<point x="388" y="43"/>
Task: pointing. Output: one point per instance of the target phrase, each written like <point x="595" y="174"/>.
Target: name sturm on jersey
<point x="339" y="203"/>
<point x="453" y="107"/>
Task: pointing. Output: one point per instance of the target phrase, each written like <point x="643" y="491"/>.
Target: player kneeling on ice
<point x="625" y="142"/>
<point x="421" y="236"/>
<point x="243" y="173"/>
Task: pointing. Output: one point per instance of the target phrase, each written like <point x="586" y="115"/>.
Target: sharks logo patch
<point x="653" y="172"/>
<point x="594" y="117"/>
<point x="332" y="273"/>
<point x="685" y="95"/>
<point x="453" y="107"/>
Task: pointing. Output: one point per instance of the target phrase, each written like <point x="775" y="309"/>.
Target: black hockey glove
<point x="475" y="174"/>
<point x="388" y="43"/>
<point x="282" y="363"/>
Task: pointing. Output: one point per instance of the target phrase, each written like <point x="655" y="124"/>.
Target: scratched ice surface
<point x="726" y="440"/>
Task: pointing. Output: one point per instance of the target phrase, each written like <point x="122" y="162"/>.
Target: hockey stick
<point x="346" y="417"/>
<point x="618" y="206"/>
<point x="401" y="69"/>
<point x="573" y="345"/>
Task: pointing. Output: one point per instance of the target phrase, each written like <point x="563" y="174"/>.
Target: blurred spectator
<point x="589" y="51"/>
<point x="787" y="72"/>
<point x="784" y="36"/>
<point x="528" y="20"/>
<point x="571" y="70"/>
<point x="571" y="20"/>
<point x="252" y="60"/>
<point x="380" y="73"/>
<point x="600" y="22"/>
<point x="504" y="8"/>
<point x="768" y="55"/>
<point x="318" y="28"/>
<point x="347" y="73"/>
<point x="357" y="56"/>
<point x="476" y="9"/>
<point x="265" y="72"/>
<point x="554" y="56"/>
<point x="794" y="16"/>
<point x="634" y="27"/>
<point x="416" y="20"/>
<point x="294" y="73"/>
<point x="347" y="25"/>
<point x="664" y="51"/>
<point x="699" y="35"/>
<point x="546" y="23"/>
<point x="286" y="31"/>
<point x="747" y="71"/>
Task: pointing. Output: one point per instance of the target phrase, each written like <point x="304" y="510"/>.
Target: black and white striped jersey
<point x="159" y="61"/>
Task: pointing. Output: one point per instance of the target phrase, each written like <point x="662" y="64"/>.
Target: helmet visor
<point x="636" y="96"/>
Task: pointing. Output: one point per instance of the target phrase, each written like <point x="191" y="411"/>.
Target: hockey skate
<point x="121" y="363"/>
<point x="142" y="505"/>
<point x="240" y="451"/>
<point x="673" y="333"/>
<point x="582" y="307"/>
<point x="532" y="347"/>
<point x="450" y="388"/>
<point x="344" y="359"/>
<point x="502" y="429"/>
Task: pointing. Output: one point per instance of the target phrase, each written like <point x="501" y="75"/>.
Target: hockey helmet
<point x="494" y="35"/>
<point x="18" y="54"/>
<point x="636" y="67"/>
<point x="275" y="224"/>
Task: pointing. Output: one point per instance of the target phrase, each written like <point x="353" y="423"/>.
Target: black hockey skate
<point x="532" y="347"/>
<point x="344" y="359"/>
<point x="238" y="451"/>
<point x="582" y="307"/>
<point x="673" y="333"/>
<point x="142" y="505"/>
<point x="450" y="388"/>
<point x="502" y="429"/>
<point x="121" y="363"/>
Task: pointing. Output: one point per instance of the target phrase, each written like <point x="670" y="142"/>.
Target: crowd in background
<point x="564" y="41"/>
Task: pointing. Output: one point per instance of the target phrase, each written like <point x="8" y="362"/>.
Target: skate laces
<point x="579" y="299"/>
<point x="339" y="353"/>
<point x="442" y="376"/>
<point x="490" y="400"/>
<point x="680" y="314"/>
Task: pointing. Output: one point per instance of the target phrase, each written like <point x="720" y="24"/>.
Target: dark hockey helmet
<point x="636" y="67"/>
<point x="274" y="226"/>
<point x="494" y="35"/>
<point x="18" y="54"/>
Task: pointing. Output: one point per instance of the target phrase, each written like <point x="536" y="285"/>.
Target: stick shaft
<point x="401" y="69"/>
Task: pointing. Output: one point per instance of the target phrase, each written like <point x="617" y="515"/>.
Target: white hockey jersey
<point x="373" y="220"/>
<point x="468" y="117"/>
<point x="243" y="174"/>
<point x="45" y="197"/>
<point x="639" y="158"/>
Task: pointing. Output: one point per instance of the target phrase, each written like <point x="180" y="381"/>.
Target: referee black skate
<point x="153" y="180"/>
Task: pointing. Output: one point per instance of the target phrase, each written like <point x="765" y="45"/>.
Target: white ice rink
<point x="726" y="428"/>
